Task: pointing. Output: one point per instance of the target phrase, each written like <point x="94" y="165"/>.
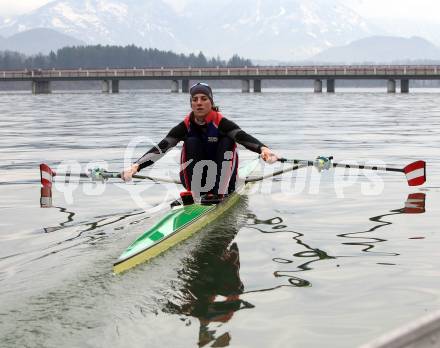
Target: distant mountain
<point x="147" y="23"/>
<point x="38" y="40"/>
<point x="280" y="29"/>
<point x="426" y="28"/>
<point x="260" y="29"/>
<point x="380" y="49"/>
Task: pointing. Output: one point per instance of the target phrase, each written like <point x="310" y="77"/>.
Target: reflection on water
<point x="74" y="234"/>
<point x="210" y="286"/>
<point x="69" y="219"/>
<point x="310" y="254"/>
<point x="414" y="204"/>
<point x="209" y="283"/>
<point x="82" y="234"/>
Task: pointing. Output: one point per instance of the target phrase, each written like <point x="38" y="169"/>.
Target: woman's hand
<point x="128" y="173"/>
<point x="268" y="156"/>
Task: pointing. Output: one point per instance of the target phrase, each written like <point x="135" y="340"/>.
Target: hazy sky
<point x="411" y="9"/>
<point x="11" y="8"/>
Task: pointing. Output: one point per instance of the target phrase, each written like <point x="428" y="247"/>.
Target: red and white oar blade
<point x="415" y="173"/>
<point x="415" y="204"/>
<point x="47" y="175"/>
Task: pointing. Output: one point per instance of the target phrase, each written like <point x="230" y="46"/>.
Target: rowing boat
<point x="178" y="224"/>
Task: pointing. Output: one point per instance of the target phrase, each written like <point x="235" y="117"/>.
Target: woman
<point x="207" y="136"/>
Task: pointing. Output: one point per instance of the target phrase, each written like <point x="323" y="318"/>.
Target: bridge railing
<point x="254" y="71"/>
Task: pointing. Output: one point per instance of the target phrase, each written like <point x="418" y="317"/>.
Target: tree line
<point x="93" y="57"/>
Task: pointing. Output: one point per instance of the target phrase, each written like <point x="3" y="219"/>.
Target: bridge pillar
<point x="331" y="86"/>
<point x="245" y="86"/>
<point x="174" y="86"/>
<point x="41" y="87"/>
<point x="391" y="86"/>
<point x="105" y="86"/>
<point x="257" y="86"/>
<point x="185" y="86"/>
<point x="404" y="86"/>
<point x="318" y="86"/>
<point x="115" y="86"/>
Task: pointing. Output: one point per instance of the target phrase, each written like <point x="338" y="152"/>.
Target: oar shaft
<point x="141" y="177"/>
<point x="415" y="172"/>
<point x="342" y="165"/>
<point x="68" y="174"/>
<point x="296" y="161"/>
<point x="116" y="175"/>
<point x="388" y="169"/>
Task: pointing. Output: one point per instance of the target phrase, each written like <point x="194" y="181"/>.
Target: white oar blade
<point x="415" y="173"/>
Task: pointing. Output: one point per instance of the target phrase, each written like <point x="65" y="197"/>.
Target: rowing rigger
<point x="187" y="217"/>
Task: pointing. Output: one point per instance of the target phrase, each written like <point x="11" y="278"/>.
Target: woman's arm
<point x="232" y="130"/>
<point x="175" y="135"/>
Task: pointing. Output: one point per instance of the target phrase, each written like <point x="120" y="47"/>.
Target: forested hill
<point x="89" y="57"/>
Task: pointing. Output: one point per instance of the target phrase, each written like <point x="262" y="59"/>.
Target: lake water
<point x="307" y="260"/>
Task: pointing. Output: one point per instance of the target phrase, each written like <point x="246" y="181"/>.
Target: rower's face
<point x="201" y="105"/>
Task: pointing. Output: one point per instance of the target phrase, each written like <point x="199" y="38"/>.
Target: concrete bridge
<point x="180" y="77"/>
